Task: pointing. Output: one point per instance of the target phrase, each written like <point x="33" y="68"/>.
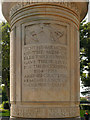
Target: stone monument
<point x="44" y="58"/>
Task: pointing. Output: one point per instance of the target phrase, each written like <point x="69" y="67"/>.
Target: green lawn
<point x="4" y="113"/>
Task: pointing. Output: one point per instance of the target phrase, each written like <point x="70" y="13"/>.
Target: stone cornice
<point x="80" y="8"/>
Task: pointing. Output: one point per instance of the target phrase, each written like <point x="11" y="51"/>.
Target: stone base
<point x="78" y="118"/>
<point x="4" y="118"/>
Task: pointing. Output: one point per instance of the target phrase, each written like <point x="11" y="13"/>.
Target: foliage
<point x="0" y="95"/>
<point x="4" y="113"/>
<point x="85" y="55"/>
<point x="85" y="106"/>
<point x="5" y="42"/>
<point x="82" y="112"/>
<point x="4" y="95"/>
<point x="83" y="99"/>
<point x="6" y="105"/>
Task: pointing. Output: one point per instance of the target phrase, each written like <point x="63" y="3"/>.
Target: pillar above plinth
<point x="44" y="58"/>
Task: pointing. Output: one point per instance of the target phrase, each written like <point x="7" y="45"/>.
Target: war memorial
<point x="44" y="58"/>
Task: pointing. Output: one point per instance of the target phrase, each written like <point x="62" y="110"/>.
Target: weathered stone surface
<point x="45" y="59"/>
<point x="45" y="119"/>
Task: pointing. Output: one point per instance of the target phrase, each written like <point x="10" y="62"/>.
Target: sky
<point x="88" y="20"/>
<point x="1" y="16"/>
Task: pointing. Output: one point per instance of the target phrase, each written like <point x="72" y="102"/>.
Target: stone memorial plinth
<point x="44" y="58"/>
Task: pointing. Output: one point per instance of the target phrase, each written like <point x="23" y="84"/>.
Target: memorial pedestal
<point x="44" y="59"/>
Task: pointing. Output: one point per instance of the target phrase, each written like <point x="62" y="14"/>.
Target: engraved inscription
<point x="51" y="112"/>
<point x="20" y="5"/>
<point x="45" y="62"/>
<point x="45" y="66"/>
<point x="45" y="56"/>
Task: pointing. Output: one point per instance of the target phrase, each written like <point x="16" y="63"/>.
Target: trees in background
<point x="5" y="51"/>
<point x="85" y="56"/>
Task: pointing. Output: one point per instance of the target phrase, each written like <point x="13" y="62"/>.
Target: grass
<point x="4" y="113"/>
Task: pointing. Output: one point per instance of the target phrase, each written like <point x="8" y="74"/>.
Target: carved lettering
<point x="20" y="5"/>
<point x="45" y="66"/>
<point x="53" y="112"/>
<point x="44" y="61"/>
